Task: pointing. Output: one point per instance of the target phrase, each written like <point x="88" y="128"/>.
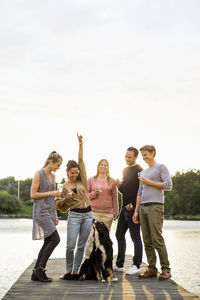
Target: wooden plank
<point x="127" y="288"/>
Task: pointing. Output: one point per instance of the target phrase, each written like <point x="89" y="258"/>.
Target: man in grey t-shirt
<point x="150" y="204"/>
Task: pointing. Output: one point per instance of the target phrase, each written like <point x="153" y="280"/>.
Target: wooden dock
<point x="127" y="287"/>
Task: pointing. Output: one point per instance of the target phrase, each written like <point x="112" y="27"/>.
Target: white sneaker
<point x="117" y="269"/>
<point x="132" y="271"/>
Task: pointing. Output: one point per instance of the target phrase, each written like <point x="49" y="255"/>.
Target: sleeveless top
<point x="44" y="209"/>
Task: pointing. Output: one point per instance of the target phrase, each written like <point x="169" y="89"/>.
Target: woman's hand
<point x="98" y="193"/>
<point x="117" y="182"/>
<point x="98" y="190"/>
<point x="80" y="138"/>
<point x="80" y="151"/>
<point x="57" y="220"/>
<point x="69" y="195"/>
<point x="55" y="194"/>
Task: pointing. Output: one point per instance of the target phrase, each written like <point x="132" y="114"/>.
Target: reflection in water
<point x="183" y="248"/>
<point x="17" y="250"/>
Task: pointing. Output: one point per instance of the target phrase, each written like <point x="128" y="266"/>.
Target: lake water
<point x="17" y="250"/>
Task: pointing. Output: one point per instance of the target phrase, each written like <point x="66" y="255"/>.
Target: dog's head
<point x="101" y="227"/>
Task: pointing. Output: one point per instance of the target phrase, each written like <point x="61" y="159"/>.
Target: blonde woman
<point x="103" y="194"/>
<point x="43" y="192"/>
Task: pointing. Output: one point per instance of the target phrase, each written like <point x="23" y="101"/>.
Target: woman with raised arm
<point x="43" y="191"/>
<point x="75" y="198"/>
<point x="103" y="195"/>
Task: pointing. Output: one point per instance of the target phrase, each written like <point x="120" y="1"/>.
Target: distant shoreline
<point x="167" y="218"/>
<point x="183" y="218"/>
<point x="15" y="217"/>
<point x="25" y="217"/>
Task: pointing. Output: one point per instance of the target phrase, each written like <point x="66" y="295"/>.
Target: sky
<point x="121" y="73"/>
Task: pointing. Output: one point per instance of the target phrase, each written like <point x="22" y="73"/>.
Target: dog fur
<point x="99" y="256"/>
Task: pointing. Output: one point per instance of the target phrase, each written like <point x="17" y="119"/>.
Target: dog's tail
<point x="69" y="276"/>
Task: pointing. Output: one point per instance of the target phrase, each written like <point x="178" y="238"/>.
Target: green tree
<point x="9" y="203"/>
<point x="172" y="203"/>
<point x="184" y="183"/>
<point x="195" y="205"/>
<point x="185" y="195"/>
<point x="8" y="184"/>
<point x="25" y="186"/>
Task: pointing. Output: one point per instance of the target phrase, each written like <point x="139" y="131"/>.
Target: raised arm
<point x="81" y="162"/>
<point x="80" y="152"/>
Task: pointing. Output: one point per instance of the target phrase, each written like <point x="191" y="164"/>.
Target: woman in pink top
<point x="103" y="194"/>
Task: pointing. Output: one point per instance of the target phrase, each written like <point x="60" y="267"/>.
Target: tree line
<point x="9" y="201"/>
<point x="183" y="199"/>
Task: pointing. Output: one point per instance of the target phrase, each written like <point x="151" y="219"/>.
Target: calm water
<point x="17" y="250"/>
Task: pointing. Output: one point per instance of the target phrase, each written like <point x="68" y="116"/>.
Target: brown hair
<point x="134" y="150"/>
<point x="108" y="173"/>
<point x="73" y="164"/>
<point x="54" y="156"/>
<point x="149" y="148"/>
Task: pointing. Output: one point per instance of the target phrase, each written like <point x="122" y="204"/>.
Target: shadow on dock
<point x="127" y="288"/>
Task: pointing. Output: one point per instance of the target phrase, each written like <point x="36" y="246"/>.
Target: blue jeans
<point x="125" y="222"/>
<point x="78" y="226"/>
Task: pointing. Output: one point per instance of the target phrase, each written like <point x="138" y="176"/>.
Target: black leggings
<point x="49" y="244"/>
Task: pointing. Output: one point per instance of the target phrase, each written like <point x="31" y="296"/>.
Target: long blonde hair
<point x="108" y="173"/>
<point x="54" y="156"/>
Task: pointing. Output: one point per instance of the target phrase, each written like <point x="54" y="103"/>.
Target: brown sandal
<point x="147" y="274"/>
<point x="165" y="275"/>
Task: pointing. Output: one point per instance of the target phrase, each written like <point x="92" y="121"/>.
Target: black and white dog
<point x="98" y="258"/>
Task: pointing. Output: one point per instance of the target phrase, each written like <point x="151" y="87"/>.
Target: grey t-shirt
<point x="157" y="173"/>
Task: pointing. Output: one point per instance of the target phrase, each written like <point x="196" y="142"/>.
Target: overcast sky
<point x="121" y="73"/>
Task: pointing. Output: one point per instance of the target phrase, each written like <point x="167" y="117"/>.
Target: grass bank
<point x="184" y="217"/>
<point x="26" y="212"/>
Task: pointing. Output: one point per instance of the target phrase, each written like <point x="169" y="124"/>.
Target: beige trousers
<point x="106" y="218"/>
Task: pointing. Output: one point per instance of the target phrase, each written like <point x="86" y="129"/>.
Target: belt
<point x="82" y="210"/>
<point x="151" y="203"/>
